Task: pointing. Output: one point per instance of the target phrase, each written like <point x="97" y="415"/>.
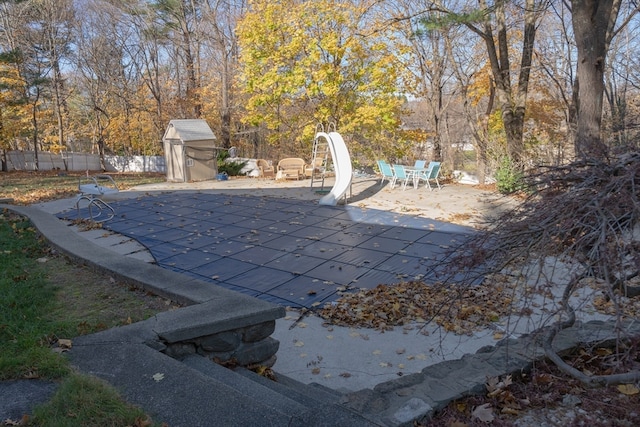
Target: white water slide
<point x="341" y="165"/>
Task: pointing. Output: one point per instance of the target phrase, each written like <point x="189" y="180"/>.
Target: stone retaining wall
<point x="251" y="345"/>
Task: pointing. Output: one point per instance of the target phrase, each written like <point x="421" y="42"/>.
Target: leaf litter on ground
<point x="458" y="309"/>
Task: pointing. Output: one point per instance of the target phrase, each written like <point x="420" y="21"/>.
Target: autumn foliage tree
<point x="305" y="63"/>
<point x="14" y="117"/>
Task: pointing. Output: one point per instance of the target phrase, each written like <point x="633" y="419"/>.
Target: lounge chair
<point x="93" y="190"/>
<point x="420" y="164"/>
<point x="432" y="172"/>
<point x="400" y="173"/>
<point x="386" y="171"/>
<point x="316" y="167"/>
<point x="266" y="170"/>
<point x="291" y="168"/>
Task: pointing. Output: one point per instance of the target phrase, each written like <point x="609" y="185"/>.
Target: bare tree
<point x="511" y="101"/>
<point x="221" y="44"/>
<point x="584" y="214"/>
<point x="466" y="69"/>
<point x="52" y="23"/>
<point x="593" y="23"/>
<point x="181" y="21"/>
<point x="555" y="56"/>
<point x="619" y="118"/>
<point x="31" y="68"/>
<point x="431" y="65"/>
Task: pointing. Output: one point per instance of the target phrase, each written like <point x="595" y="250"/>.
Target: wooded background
<point x="525" y="82"/>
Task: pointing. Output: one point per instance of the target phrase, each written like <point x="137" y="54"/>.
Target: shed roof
<point x="189" y="130"/>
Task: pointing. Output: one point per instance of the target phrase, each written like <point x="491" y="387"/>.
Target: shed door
<point x="176" y="159"/>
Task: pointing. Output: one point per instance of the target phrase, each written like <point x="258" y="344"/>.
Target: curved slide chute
<point x="342" y="167"/>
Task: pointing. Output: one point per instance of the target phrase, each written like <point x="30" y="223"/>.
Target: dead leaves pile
<point x="547" y="396"/>
<point x="461" y="310"/>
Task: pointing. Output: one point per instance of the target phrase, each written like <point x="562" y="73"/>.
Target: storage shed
<point x="190" y="151"/>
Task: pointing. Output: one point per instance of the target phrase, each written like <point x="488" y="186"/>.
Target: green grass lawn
<point x="37" y="309"/>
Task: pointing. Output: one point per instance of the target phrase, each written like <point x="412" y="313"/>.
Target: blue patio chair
<point x="400" y="173"/>
<point x="432" y="172"/>
<point x="386" y="171"/>
<point x="420" y="164"/>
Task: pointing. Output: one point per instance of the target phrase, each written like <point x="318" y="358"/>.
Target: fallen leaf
<point x="376" y="352"/>
<point x="298" y="343"/>
<point x="64" y="343"/>
<point x="158" y="377"/>
<point x="461" y="406"/>
<point x="315" y="371"/>
<point x="146" y="422"/>
<point x="628" y="389"/>
<point x="492" y="383"/>
<point x="345" y="375"/>
<point x="484" y="413"/>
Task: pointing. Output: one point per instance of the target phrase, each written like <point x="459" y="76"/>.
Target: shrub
<point x="230" y="167"/>
<point x="509" y="178"/>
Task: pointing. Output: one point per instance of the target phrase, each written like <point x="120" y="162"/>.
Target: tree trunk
<point x="193" y="95"/>
<point x="225" y="127"/>
<point x="593" y="22"/>
<point x="34" y="122"/>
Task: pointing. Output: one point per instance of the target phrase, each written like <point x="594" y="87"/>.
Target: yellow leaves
<point x="302" y="60"/>
<point x="263" y="371"/>
<point x="628" y="389"/>
<point x="481" y="85"/>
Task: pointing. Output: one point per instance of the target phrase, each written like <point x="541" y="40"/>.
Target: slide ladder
<point x="342" y="167"/>
<point x="319" y="160"/>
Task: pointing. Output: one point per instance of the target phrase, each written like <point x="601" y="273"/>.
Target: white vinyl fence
<point x="25" y="160"/>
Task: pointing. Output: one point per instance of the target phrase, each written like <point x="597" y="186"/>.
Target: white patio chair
<point x="92" y="190"/>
